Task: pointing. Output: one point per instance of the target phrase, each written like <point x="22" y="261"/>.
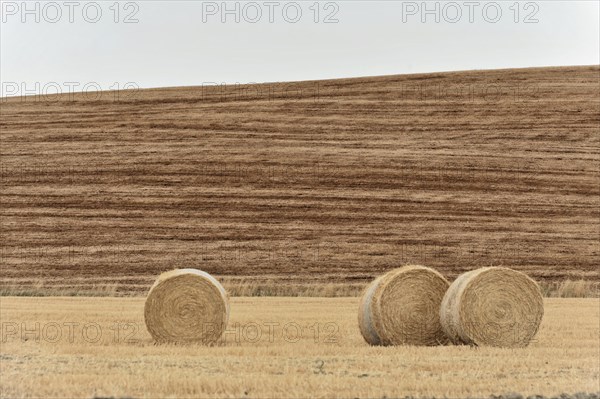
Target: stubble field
<point x="303" y="184"/>
<point x="278" y="348"/>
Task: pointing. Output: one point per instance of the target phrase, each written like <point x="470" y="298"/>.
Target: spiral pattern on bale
<point x="186" y="306"/>
<point x="402" y="307"/>
<point x="492" y="306"/>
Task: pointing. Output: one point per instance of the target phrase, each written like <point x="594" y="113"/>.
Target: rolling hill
<point x="314" y="182"/>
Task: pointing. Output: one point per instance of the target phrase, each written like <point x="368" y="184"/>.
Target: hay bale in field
<point x="494" y="306"/>
<point x="186" y="306"/>
<point x="402" y="307"/>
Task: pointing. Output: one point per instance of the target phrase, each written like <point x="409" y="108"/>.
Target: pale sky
<point x="187" y="43"/>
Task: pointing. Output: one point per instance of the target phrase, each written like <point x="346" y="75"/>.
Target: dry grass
<point x="41" y="288"/>
<point x="563" y="358"/>
<point x="572" y="289"/>
<point x="272" y="288"/>
<point x="252" y="288"/>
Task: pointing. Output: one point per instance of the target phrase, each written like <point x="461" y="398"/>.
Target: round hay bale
<point x="402" y="308"/>
<point x="492" y="306"/>
<point x="186" y="306"/>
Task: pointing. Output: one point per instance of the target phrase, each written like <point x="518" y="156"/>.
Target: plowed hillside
<point x="310" y="182"/>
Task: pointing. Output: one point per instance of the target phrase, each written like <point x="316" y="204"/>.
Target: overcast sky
<point x="67" y="45"/>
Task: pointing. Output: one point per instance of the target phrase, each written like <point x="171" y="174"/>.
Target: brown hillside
<point x="311" y="182"/>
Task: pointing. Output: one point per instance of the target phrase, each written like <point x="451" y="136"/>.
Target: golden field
<point x="99" y="347"/>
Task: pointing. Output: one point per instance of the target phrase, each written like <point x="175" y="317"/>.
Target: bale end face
<point x="402" y="308"/>
<point x="492" y="306"/>
<point x="186" y="306"/>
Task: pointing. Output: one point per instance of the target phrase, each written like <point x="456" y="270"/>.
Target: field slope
<point x="312" y="182"/>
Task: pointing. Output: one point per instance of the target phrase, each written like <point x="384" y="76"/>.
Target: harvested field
<point x="330" y="182"/>
<point x="110" y="354"/>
